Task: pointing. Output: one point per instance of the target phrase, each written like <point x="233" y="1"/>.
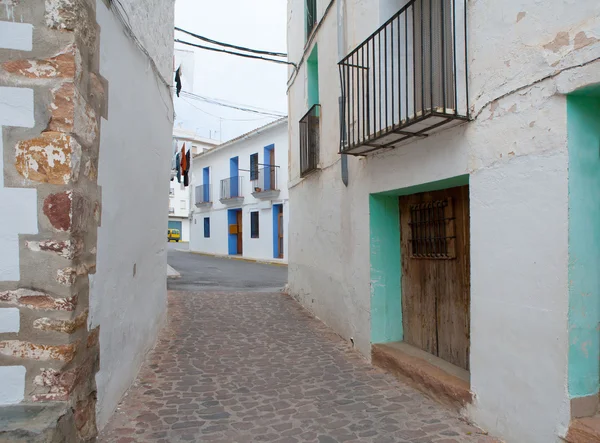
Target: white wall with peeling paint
<point x="128" y="291"/>
<point x="523" y="56"/>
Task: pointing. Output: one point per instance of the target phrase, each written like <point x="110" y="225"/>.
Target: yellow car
<point x="173" y="234"/>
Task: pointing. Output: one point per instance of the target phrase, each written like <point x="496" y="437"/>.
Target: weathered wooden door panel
<point x="240" y="235"/>
<point x="435" y="273"/>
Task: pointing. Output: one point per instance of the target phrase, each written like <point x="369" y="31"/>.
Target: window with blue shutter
<point x="254" y="167"/>
<point x="206" y="227"/>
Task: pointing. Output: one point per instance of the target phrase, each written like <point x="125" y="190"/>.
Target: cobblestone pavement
<point x="255" y="367"/>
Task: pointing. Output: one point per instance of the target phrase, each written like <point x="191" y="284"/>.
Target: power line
<point x="227" y="102"/>
<point x="238" y="107"/>
<point x="228" y="45"/>
<point x="283" y="62"/>
<point x="228" y="119"/>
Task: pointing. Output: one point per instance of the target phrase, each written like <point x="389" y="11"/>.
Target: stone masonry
<point x="57" y="157"/>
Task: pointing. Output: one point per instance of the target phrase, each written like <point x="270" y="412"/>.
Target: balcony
<point x="265" y="182"/>
<point x="309" y="140"/>
<point x="231" y="191"/>
<point x="408" y="80"/>
<point x="202" y="196"/>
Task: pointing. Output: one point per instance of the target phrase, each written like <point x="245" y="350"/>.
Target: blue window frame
<point x="206" y="227"/>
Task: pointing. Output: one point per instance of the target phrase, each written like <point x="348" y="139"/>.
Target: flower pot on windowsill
<point x="257" y="189"/>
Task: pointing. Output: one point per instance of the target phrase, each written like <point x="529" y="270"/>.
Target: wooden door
<point x="272" y="184"/>
<point x="239" y="232"/>
<point x="434" y="232"/>
<point x="280" y="232"/>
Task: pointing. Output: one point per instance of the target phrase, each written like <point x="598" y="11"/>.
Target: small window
<point x="254" y="224"/>
<point x="254" y="167"/>
<point x="432" y="230"/>
<point x="183" y="206"/>
<point x="206" y="227"/>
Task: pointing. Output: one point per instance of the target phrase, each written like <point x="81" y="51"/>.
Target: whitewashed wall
<point x="218" y="161"/>
<point x="523" y="57"/>
<point x="128" y="291"/>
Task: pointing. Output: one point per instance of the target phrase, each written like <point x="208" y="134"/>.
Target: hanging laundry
<point x="178" y="167"/>
<point x="183" y="160"/>
<point x="188" y="162"/>
<point x="178" y="80"/>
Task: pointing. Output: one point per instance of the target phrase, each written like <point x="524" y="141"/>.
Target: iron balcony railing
<point x="407" y="79"/>
<point x="202" y="194"/>
<point x="231" y="187"/>
<point x="265" y="179"/>
<point x="171" y="210"/>
<point x="309" y="140"/>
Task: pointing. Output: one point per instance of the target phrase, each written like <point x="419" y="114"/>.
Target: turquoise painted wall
<point x="386" y="303"/>
<point x="386" y="279"/>
<point x="312" y="67"/>
<point x="583" y="125"/>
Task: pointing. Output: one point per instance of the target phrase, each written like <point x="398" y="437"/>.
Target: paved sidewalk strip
<point x="255" y="367"/>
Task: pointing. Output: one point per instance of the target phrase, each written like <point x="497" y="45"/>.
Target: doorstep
<point x="431" y="375"/>
<point x="584" y="430"/>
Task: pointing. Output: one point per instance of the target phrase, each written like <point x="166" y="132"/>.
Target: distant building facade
<point x="240" y="196"/>
<point x="179" y="195"/>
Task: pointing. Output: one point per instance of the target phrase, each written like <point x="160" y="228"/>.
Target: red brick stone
<point x="67" y="326"/>
<point x="38" y="300"/>
<point x="63" y="65"/>
<point x="93" y="339"/>
<point x="72" y="114"/>
<point x="59" y="385"/>
<point x="68" y="249"/>
<point x="85" y="417"/>
<point x="53" y="157"/>
<point x="57" y="208"/>
<point x="22" y="349"/>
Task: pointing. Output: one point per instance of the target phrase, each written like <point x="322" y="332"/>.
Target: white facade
<point x="128" y="292"/>
<point x="523" y="58"/>
<point x="267" y="200"/>
<point x="179" y="195"/>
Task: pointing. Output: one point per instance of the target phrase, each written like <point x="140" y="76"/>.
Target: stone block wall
<point x="51" y="100"/>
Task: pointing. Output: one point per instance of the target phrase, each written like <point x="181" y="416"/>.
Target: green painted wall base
<point x="386" y="278"/>
<point x="583" y="126"/>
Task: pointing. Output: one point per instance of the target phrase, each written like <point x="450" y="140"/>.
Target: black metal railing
<point x="202" y="194"/>
<point x="231" y="187"/>
<point x="408" y="78"/>
<point x="265" y="179"/>
<point x="171" y="210"/>
<point x="309" y="140"/>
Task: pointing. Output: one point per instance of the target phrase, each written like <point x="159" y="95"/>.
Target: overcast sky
<point x="257" y="24"/>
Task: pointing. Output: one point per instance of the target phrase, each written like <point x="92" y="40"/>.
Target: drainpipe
<point x="341" y="38"/>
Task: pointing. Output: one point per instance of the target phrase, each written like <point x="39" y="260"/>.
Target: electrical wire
<point x="283" y="62"/>
<point x="228" y="45"/>
<point x="227" y="102"/>
<point x="245" y="108"/>
<point x="228" y="119"/>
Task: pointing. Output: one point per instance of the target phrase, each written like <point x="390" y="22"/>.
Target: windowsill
<point x="266" y="194"/>
<point x="232" y="200"/>
<point x="432" y="375"/>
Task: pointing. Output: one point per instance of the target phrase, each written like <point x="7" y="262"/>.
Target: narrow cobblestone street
<point x="246" y="366"/>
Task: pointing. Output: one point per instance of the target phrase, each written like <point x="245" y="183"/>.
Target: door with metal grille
<point x="434" y="232"/>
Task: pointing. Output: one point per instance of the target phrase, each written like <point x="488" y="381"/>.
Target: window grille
<point x="432" y="230"/>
